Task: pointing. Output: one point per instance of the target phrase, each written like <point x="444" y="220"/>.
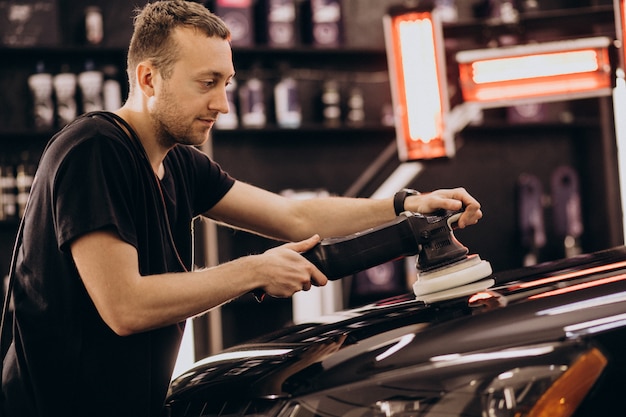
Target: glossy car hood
<point x="539" y="307"/>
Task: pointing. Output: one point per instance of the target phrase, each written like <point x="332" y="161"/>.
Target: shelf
<point x="493" y="126"/>
<point x="64" y="58"/>
<point x="260" y="51"/>
<point x="326" y="133"/>
<point x="17" y="137"/>
<point x="577" y="18"/>
<point x="306" y="128"/>
<point x="273" y="136"/>
<point x="306" y="51"/>
<point x="57" y="51"/>
<point x="22" y="139"/>
<point x="27" y="133"/>
<point x="532" y="27"/>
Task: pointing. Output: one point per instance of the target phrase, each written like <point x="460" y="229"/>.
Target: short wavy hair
<point x="153" y="27"/>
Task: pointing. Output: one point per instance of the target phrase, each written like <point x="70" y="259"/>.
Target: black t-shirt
<point x="64" y="360"/>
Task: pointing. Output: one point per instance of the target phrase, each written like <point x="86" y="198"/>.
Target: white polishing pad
<point x="452" y="276"/>
<point x="457" y="292"/>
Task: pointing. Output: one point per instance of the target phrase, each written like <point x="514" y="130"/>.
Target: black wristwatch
<point x="399" y="197"/>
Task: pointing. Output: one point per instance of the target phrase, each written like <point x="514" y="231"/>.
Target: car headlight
<point x="536" y="389"/>
<point x="555" y="391"/>
<point x="518" y="390"/>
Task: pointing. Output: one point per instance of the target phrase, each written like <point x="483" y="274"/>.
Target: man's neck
<point x="144" y="132"/>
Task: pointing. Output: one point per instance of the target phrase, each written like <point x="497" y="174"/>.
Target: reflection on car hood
<point x="528" y="308"/>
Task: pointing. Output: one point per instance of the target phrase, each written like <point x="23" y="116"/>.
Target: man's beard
<point x="169" y="127"/>
<point x="170" y="131"/>
<point x="165" y="137"/>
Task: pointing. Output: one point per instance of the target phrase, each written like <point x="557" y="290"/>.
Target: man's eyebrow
<point x="215" y="74"/>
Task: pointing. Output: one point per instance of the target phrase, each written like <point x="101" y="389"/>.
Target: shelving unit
<point x="19" y="63"/>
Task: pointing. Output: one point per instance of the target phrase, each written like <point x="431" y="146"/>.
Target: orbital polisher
<point x="444" y="268"/>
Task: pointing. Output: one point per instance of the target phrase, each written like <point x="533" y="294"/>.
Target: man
<point x="102" y="283"/>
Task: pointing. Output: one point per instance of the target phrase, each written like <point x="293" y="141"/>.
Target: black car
<point x="546" y="340"/>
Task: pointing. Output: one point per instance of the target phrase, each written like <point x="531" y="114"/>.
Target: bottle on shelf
<point x="65" y="91"/>
<point x="356" y="108"/>
<point x="90" y="82"/>
<point x="111" y="89"/>
<point x="447" y="10"/>
<point x="94" y="25"/>
<point x="40" y="85"/>
<point x="252" y="103"/>
<point x="326" y="20"/>
<point x="8" y="206"/>
<point x="331" y="103"/>
<point x="281" y="23"/>
<point x="287" y="103"/>
<point x="386" y="115"/>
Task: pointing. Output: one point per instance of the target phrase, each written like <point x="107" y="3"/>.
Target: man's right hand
<point x="285" y="271"/>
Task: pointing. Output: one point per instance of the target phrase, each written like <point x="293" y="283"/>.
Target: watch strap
<point x="400" y="197"/>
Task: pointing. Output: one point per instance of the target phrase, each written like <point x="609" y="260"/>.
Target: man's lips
<point x="207" y="121"/>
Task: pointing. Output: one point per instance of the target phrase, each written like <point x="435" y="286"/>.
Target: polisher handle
<point x="342" y="256"/>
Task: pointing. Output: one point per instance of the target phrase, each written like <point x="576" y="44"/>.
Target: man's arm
<point x="251" y="208"/>
<point x="130" y="303"/>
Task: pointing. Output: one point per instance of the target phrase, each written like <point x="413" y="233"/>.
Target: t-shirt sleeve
<point x="212" y="181"/>
<point x="95" y="189"/>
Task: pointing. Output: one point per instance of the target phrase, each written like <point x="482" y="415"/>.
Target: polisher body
<point x="442" y="261"/>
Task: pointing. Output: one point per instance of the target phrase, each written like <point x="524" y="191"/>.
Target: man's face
<point x="185" y="105"/>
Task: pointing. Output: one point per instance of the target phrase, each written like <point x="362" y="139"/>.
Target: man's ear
<point x="146" y="74"/>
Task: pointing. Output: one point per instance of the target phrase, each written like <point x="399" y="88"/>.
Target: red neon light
<point x="536" y="71"/>
<point x="420" y="96"/>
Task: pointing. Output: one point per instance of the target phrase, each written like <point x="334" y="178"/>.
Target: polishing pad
<point x="454" y="277"/>
<point x="461" y="291"/>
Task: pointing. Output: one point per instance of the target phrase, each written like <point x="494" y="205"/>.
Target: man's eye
<point x="208" y="83"/>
